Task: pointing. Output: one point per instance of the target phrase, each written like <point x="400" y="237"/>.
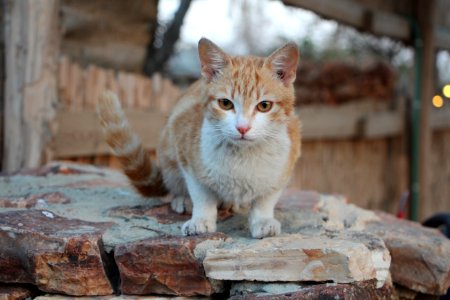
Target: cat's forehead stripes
<point x="246" y="80"/>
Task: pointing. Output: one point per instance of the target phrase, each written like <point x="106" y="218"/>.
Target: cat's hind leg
<point x="181" y="204"/>
<point x="174" y="181"/>
<point x="261" y="219"/>
<point x="204" y="210"/>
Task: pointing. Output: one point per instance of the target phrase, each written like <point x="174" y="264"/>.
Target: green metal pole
<point x="415" y="126"/>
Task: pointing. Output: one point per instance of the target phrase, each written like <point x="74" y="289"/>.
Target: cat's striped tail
<point x="127" y="147"/>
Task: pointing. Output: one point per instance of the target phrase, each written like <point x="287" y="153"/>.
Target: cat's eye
<point x="225" y="104"/>
<point x="264" y="106"/>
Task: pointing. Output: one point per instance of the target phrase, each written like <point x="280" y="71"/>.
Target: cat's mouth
<point x="242" y="139"/>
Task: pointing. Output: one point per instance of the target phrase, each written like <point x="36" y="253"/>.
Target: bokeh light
<point x="438" y="102"/>
<point x="446" y="91"/>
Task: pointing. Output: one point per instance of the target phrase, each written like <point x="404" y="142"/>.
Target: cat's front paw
<point x="198" y="226"/>
<point x="265" y="227"/>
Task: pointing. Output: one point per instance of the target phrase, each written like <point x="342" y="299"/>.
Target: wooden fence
<point x="77" y="130"/>
<point x="357" y="148"/>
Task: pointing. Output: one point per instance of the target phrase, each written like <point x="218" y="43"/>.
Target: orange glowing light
<point x="438" y="102"/>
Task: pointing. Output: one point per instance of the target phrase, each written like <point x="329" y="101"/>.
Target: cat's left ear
<point x="283" y="63"/>
<point x="212" y="59"/>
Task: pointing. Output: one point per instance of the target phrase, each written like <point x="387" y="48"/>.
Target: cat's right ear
<point x="212" y="59"/>
<point x="283" y="63"/>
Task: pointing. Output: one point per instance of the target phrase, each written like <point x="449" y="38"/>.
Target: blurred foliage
<point x="347" y="43"/>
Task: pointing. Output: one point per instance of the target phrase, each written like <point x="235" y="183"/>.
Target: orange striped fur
<point x="126" y="146"/>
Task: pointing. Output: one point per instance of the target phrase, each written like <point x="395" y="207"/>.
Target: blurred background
<point x="373" y="84"/>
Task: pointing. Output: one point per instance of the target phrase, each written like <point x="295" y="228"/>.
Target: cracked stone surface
<point x="102" y="230"/>
<point x="166" y="265"/>
<point x="420" y="256"/>
<point x="299" y="258"/>
<point x="56" y="254"/>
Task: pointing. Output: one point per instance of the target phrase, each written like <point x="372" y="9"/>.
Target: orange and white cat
<point x="233" y="138"/>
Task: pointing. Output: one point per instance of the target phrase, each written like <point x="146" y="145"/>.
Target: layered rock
<point x="339" y="258"/>
<point x="171" y="265"/>
<point x="66" y="245"/>
<point x="57" y="254"/>
<point x="420" y="256"/>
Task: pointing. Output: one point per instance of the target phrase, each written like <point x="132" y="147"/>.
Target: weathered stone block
<point x="36" y="254"/>
<point x="58" y="255"/>
<point x="420" y="255"/>
<point x="338" y="258"/>
<point x="170" y="265"/>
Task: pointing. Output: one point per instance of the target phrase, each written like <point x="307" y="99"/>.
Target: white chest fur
<point x="240" y="174"/>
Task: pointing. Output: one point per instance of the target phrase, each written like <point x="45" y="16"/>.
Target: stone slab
<point x="57" y="254"/>
<point x="340" y="258"/>
<point x="420" y="255"/>
<point x="103" y="195"/>
<point x="171" y="265"/>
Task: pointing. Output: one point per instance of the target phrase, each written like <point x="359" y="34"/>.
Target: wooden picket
<point x="78" y="136"/>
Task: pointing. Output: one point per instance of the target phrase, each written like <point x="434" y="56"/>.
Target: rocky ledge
<point x="73" y="230"/>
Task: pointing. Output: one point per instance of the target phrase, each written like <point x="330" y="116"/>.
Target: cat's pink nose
<point x="243" y="129"/>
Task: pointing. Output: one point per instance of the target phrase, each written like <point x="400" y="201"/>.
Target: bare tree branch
<point x="158" y="57"/>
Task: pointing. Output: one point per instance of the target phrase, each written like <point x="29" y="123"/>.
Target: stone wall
<point x="82" y="231"/>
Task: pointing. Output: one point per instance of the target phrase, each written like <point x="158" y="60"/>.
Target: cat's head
<point x="250" y="99"/>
